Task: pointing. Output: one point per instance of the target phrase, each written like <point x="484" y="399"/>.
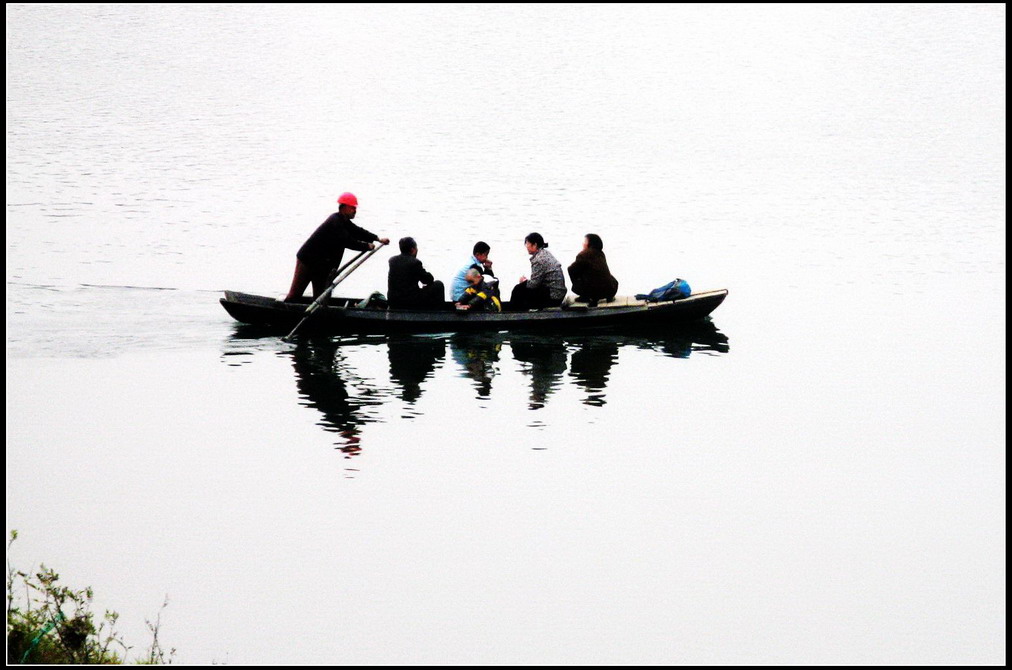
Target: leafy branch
<point x="48" y="622"/>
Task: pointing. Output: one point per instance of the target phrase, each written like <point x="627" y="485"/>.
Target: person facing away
<point x="406" y="273"/>
<point x="323" y="251"/>
<point x="546" y="286"/>
<point x="479" y="261"/>
<point x="592" y="280"/>
<point x="478" y="296"/>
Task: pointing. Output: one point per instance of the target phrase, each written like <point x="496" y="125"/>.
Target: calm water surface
<point x="816" y="475"/>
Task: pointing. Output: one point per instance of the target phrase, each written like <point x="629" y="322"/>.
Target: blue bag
<point x="674" y="290"/>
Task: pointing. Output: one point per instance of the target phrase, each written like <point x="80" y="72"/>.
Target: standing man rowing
<point x="323" y="251"/>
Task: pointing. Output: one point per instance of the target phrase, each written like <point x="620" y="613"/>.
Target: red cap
<point x="348" y="199"/>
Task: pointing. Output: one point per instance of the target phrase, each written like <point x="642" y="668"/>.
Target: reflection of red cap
<point x="348" y="199"/>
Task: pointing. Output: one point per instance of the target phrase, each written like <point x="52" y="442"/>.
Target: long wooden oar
<point x="342" y="274"/>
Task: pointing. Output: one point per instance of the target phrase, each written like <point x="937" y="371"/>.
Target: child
<point x="479" y="295"/>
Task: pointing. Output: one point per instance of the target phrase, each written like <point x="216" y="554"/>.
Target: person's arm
<point x="358" y="239"/>
<point x="478" y="299"/>
<point x="424" y="276"/>
<point x="578" y="269"/>
<point x="465" y="299"/>
<point x="538" y="271"/>
<point x="485" y="270"/>
<point x="361" y="235"/>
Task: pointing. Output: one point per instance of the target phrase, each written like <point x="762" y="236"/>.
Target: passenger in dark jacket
<point x="406" y="273"/>
<point x="589" y="273"/>
<point x="323" y="251"/>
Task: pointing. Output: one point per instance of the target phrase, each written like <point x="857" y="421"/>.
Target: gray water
<point x="816" y="475"/>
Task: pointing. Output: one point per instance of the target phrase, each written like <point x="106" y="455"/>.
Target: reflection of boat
<point x="477" y="354"/>
<point x="591" y="356"/>
<point x="322" y="378"/>
<point x="591" y="364"/>
<point x="342" y="315"/>
<point x="326" y="378"/>
<point x="412" y="360"/>
<point x="697" y="337"/>
<point x="546" y="362"/>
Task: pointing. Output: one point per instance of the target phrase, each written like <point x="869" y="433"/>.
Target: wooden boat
<point x="345" y="316"/>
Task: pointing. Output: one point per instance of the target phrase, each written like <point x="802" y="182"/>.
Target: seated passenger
<point x="479" y="295"/>
<point x="546" y="286"/>
<point x="480" y="262"/>
<point x="406" y="273"/>
<point x="592" y="280"/>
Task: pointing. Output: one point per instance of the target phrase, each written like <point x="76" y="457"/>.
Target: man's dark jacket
<point x="325" y="247"/>
<point x="406" y="272"/>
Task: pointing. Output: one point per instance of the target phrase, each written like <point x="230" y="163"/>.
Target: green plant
<point x="51" y="623"/>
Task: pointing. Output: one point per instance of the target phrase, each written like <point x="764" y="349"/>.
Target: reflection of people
<point x="590" y="366"/>
<point x="592" y="280"/>
<point x="406" y="273"/>
<point x="478" y="296"/>
<point x="547" y="359"/>
<point x="546" y="286"/>
<point x="318" y="364"/>
<point x="323" y="251"/>
<point x="478" y="354"/>
<point x="412" y="361"/>
<point x="479" y="261"/>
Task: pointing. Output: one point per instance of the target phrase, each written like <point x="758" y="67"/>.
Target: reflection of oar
<point x="342" y="274"/>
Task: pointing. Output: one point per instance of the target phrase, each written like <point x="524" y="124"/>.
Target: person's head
<point x="347" y="205"/>
<point x="534" y="243"/>
<point x="592" y="241"/>
<point x="473" y="277"/>
<point x="408" y="245"/>
<point x="481" y="251"/>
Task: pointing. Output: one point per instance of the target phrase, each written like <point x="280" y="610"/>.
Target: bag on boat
<point x="376" y="300"/>
<point x="674" y="290"/>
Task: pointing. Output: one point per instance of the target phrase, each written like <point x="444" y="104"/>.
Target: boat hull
<point x="341" y="316"/>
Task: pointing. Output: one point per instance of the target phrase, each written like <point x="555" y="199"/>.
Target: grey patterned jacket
<point x="546" y="269"/>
